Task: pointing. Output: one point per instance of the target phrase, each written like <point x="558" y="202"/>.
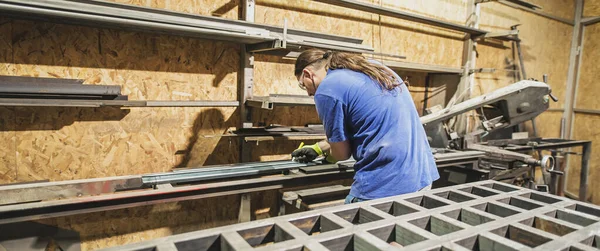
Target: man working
<point x="367" y="112"/>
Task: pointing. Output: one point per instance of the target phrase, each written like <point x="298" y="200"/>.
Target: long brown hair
<point x="341" y="60"/>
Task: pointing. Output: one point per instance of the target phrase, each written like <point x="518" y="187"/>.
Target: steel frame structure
<point x="485" y="215"/>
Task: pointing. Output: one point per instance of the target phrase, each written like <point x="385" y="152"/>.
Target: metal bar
<point x="62" y="203"/>
<point x="586" y="111"/>
<point x="545" y="146"/>
<point x="58" y="88"/>
<point x="352" y="4"/>
<point x="521" y="61"/>
<point x="425" y="220"/>
<point x="426" y="94"/>
<point x="268" y="102"/>
<point x="576" y="41"/>
<point x="469" y="62"/>
<point x="202" y="175"/>
<point x="38" y="80"/>
<point x="539" y="13"/>
<point x="189" y="103"/>
<point x="21" y="193"/>
<point x="408" y="66"/>
<point x="590" y="20"/>
<point x="583" y="176"/>
<point x="125" y="103"/>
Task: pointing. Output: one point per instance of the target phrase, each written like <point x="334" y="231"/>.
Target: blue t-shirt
<point x="385" y="134"/>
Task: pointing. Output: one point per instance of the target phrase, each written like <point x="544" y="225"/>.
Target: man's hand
<point x="307" y="153"/>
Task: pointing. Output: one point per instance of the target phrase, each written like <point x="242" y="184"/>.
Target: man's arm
<point x="339" y="150"/>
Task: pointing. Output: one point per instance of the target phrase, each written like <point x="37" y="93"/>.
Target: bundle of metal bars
<point x="486" y="215"/>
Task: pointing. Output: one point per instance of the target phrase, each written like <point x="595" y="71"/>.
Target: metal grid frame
<point x="486" y="215"/>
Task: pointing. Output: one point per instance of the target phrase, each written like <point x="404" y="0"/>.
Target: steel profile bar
<point x="76" y="205"/>
<point x="371" y="8"/>
<point x="590" y="20"/>
<point x="58" y="88"/>
<point x="408" y="66"/>
<point x="53" y="199"/>
<point x="220" y="173"/>
<point x="118" y="103"/>
<point x="538" y="12"/>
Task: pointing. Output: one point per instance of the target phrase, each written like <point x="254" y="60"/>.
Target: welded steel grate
<point x="485" y="215"/>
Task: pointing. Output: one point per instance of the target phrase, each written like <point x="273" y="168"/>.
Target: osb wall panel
<point x="222" y="8"/>
<point x="560" y="8"/>
<point x="421" y="43"/>
<point x="548" y="124"/>
<point x="591" y="8"/>
<point x="123" y="226"/>
<point x="588" y="71"/>
<point x="585" y="129"/>
<point x="73" y="143"/>
<point x="538" y="35"/>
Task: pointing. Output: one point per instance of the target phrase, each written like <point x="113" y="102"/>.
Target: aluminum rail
<point x="201" y="174"/>
<point x="135" y="18"/>
<point x="116" y="103"/>
<point x="371" y="8"/>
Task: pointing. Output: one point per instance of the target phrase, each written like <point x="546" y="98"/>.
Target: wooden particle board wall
<point x="75" y="143"/>
<point x="591" y="8"/>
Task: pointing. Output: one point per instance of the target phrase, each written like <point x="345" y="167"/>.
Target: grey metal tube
<point x="58" y="88"/>
<point x="583" y="177"/>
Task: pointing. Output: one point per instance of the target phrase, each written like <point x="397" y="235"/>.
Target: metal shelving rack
<point x="253" y="38"/>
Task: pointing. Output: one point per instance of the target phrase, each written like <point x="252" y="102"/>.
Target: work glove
<point x="307" y="153"/>
<point x="329" y="160"/>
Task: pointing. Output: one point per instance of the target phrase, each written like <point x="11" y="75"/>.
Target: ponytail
<point x="341" y="60"/>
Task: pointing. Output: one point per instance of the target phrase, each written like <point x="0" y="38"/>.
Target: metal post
<point x="576" y="42"/>
<point x="465" y="87"/>
<point x="427" y="80"/>
<point x="245" y="213"/>
<point x="583" y="178"/>
<point x="246" y="84"/>
<point x="574" y="59"/>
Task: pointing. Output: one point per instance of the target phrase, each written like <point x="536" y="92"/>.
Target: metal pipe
<point x="583" y="176"/>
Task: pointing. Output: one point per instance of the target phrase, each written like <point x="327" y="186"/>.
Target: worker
<point x="367" y="113"/>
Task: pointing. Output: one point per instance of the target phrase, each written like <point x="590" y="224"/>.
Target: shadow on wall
<point x="54" y="118"/>
<point x="225" y="150"/>
<point x="215" y="148"/>
<point x="40" y="43"/>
